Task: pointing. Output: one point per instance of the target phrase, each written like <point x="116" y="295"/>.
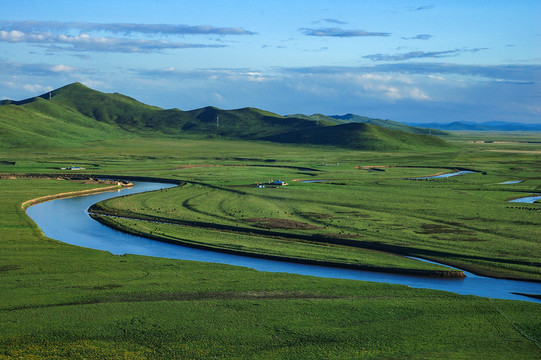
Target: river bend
<point x="67" y="220"/>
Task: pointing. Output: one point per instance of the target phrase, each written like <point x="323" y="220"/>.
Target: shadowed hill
<point x="245" y="123"/>
<point x="361" y="136"/>
<point x="393" y="125"/>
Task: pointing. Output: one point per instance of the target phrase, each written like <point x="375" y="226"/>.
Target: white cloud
<point x="22" y="69"/>
<point x="402" y="92"/>
<point x="87" y="42"/>
<point x="12" y="36"/>
<point x="441" y="78"/>
<point x="124" y="28"/>
<point x="392" y="87"/>
<point x="36" y="88"/>
<point x="320" y="84"/>
<point x="63" y="68"/>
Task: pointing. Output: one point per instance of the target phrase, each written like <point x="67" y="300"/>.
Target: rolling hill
<point x="361" y="136"/>
<point x="393" y="125"/>
<point x="42" y="123"/>
<point x="75" y="113"/>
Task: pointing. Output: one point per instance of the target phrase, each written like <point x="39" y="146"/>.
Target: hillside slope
<point x="361" y="136"/>
<point x="42" y="123"/>
<point x="393" y="125"/>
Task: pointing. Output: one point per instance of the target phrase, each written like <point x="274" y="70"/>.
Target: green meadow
<point x="60" y="301"/>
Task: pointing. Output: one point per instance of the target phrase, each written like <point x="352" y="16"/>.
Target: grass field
<point x="463" y="221"/>
<point x="61" y="301"/>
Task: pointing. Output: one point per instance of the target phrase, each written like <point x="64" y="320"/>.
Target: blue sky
<point x="416" y="61"/>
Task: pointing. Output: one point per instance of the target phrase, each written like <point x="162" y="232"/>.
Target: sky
<point x="409" y="61"/>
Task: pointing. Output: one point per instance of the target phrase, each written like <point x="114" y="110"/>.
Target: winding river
<point x="67" y="220"/>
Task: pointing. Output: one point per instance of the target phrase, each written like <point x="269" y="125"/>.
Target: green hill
<point x="42" y="123"/>
<point x="75" y="113"/>
<point x="129" y="114"/>
<point x="114" y="109"/>
<point x="393" y="125"/>
<point x="361" y="136"/>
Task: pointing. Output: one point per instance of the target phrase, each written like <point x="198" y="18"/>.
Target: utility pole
<point x="50" y="95"/>
<point x="217" y="120"/>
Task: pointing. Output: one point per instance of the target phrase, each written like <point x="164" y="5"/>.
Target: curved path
<point x="67" y="220"/>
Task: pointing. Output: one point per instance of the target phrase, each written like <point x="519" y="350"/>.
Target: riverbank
<point x="117" y="182"/>
<point x="109" y="220"/>
<point x="41" y="199"/>
<point x="300" y="219"/>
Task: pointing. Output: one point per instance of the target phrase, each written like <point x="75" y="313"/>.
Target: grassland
<point x="359" y="210"/>
<point x="61" y="301"/>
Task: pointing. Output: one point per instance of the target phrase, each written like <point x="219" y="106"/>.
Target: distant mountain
<point x="75" y="113"/>
<point x="361" y="136"/>
<point x="394" y="125"/>
<point x="483" y="126"/>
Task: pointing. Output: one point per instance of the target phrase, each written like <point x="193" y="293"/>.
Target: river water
<point x="446" y="175"/>
<point x="527" y="199"/>
<point x="67" y="220"/>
